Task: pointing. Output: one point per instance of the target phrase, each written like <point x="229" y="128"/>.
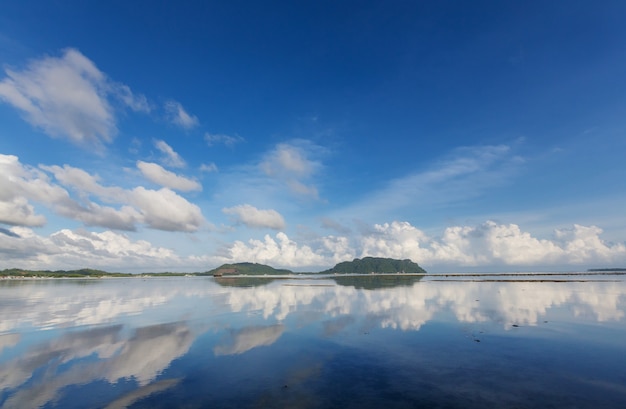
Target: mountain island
<point x="366" y="265"/>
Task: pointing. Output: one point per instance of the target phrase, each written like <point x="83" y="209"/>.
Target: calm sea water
<point x="368" y="342"/>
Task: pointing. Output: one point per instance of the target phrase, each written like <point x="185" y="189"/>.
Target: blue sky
<point x="464" y="135"/>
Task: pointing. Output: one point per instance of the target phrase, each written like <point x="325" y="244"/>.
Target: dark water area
<point x="553" y="341"/>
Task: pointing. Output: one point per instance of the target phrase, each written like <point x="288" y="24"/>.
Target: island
<point x="376" y="265"/>
<point x="366" y="265"/>
<point x="245" y="269"/>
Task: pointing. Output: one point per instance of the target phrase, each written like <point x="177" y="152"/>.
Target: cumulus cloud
<point x="253" y="217"/>
<point x="290" y="164"/>
<point x="178" y="116"/>
<point x="160" y="209"/>
<point x="216" y="139"/>
<point x="68" y="97"/>
<point x="77" y="248"/>
<point x="165" y="210"/>
<point x="156" y="174"/>
<point x="172" y="159"/>
<point x="489" y="245"/>
<point x="18" y="212"/>
<point x="84" y="182"/>
<point x="17" y="184"/>
<point x="281" y="251"/>
<point x="492" y="244"/>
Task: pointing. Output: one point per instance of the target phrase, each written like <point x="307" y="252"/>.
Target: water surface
<point x="335" y="342"/>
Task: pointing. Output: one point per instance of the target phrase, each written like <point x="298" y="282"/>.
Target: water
<point x="350" y="342"/>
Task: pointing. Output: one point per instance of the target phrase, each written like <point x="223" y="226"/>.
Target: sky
<point x="178" y="136"/>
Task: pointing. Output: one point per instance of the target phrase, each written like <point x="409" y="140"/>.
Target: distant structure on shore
<point x="222" y="271"/>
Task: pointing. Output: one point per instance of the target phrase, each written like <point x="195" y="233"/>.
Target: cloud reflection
<point x="141" y="357"/>
<point x="134" y="329"/>
<point x="138" y="394"/>
<point x="408" y="308"/>
<point x="146" y="302"/>
<point x="53" y="304"/>
<point x="240" y="341"/>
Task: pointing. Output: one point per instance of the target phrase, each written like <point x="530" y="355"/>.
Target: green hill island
<point x="366" y="265"/>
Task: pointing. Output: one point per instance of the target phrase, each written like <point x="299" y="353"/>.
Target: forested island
<point x="245" y="269"/>
<point x="376" y="265"/>
<point x="366" y="265"/>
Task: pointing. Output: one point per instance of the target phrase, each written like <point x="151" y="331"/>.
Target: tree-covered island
<point x="366" y="265"/>
<point x="376" y="265"/>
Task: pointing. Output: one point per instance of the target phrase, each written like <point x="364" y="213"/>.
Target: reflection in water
<point x="135" y="339"/>
<point x="140" y="393"/>
<point x="375" y="282"/>
<point x="242" y="340"/>
<point x="368" y="282"/>
<point x="408" y="308"/>
<point x="243" y="281"/>
<point x="141" y="358"/>
<point x="8" y="340"/>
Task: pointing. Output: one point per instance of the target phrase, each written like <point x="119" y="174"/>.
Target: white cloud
<point x="582" y="243"/>
<point x="253" y="217"/>
<point x="492" y="244"/>
<point x="280" y="252"/>
<point x="289" y="163"/>
<point x="165" y="210"/>
<point x="155" y="173"/>
<point x="336" y="249"/>
<point x="178" y="116"/>
<point x="136" y="102"/>
<point x="84" y="182"/>
<point x="93" y="214"/>
<point x="67" y="249"/>
<point x="289" y="158"/>
<point x="18" y="212"/>
<point x="208" y="167"/>
<point x="228" y="140"/>
<point x="172" y="159"/>
<point x="67" y="97"/>
<point x="20" y="184"/>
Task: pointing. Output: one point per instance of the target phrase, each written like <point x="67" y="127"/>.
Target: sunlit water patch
<point x="335" y="342"/>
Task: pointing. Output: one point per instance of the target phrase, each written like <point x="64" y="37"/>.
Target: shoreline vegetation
<point x="364" y="266"/>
